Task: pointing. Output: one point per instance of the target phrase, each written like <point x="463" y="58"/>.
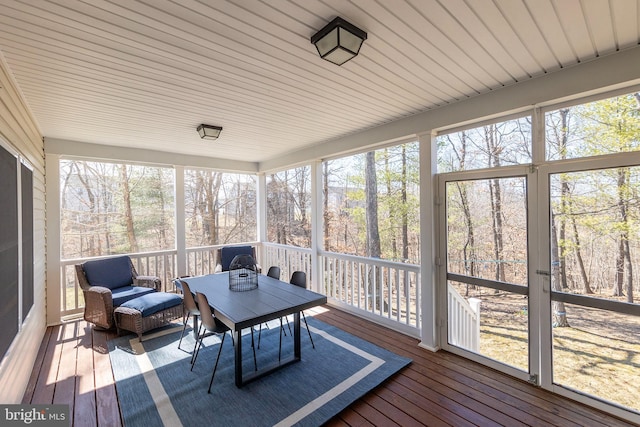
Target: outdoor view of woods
<point x="595" y="214"/>
<point x="289" y="207"/>
<point x="371" y="204"/>
<point x="369" y="227"/>
<point x="594" y="241"/>
<point x="112" y="208"/>
<point x="109" y="208"/>
<point x="220" y="208"/>
<point x="486" y="221"/>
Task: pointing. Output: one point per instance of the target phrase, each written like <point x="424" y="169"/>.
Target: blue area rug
<point x="155" y="386"/>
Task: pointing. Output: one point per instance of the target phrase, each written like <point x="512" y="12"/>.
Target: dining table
<point x="238" y="310"/>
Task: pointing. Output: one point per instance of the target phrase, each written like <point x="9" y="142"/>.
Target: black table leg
<point x="238" y="358"/>
<point x="296" y="335"/>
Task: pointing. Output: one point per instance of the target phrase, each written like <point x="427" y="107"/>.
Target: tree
<point x="469" y="257"/>
<point x="623" y="259"/>
<point x="371" y="210"/>
<point x="371" y="213"/>
<point x="613" y="125"/>
<point x="404" y="204"/>
<point x="559" y="311"/>
<point x="277" y="213"/>
<point x="288" y="207"/>
<point x="112" y="208"/>
<point x="392" y="207"/>
<point x="326" y="214"/>
<point x="559" y="128"/>
<point x="206" y="206"/>
<point x="492" y="139"/>
<point x="394" y="171"/>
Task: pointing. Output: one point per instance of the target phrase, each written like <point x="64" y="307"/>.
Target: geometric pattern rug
<point x="155" y="386"/>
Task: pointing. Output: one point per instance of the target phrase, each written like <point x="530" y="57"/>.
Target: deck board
<point x="43" y="361"/>
<point x="85" y="399"/>
<point x="107" y="410"/>
<point x="436" y="389"/>
<point x="392" y="412"/>
<point x="47" y="373"/>
<point x="413" y="414"/>
<point x="65" y="384"/>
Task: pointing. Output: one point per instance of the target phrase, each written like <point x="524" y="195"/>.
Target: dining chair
<point x="299" y="278"/>
<point x="274" y="272"/>
<point x="211" y="326"/>
<point x="190" y="306"/>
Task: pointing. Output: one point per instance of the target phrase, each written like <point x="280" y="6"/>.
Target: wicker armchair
<point x="107" y="283"/>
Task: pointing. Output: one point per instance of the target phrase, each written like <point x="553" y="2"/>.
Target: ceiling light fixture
<point x="338" y="41"/>
<point x="209" y="132"/>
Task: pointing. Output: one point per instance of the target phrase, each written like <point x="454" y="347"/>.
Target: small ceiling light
<point x="209" y="132"/>
<point x="338" y="41"/>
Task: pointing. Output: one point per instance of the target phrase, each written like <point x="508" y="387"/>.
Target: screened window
<point x="483" y="216"/>
<point x="602" y="127"/>
<point x="493" y="145"/>
<point x="371" y="204"/>
<point x="289" y="207"/>
<point x="596" y="224"/>
<point x="220" y="208"/>
<point x="109" y="208"/>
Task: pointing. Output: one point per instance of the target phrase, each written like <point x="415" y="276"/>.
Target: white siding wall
<point x="18" y="129"/>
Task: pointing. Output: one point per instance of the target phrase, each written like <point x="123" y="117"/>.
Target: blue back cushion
<point x="153" y="302"/>
<point x="229" y="253"/>
<point x="111" y="273"/>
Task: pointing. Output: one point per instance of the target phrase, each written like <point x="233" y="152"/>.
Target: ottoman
<point x="148" y="312"/>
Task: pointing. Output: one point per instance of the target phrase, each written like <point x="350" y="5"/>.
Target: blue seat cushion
<point x="111" y="273"/>
<point x="228" y="253"/>
<point x="149" y="304"/>
<point x="126" y="293"/>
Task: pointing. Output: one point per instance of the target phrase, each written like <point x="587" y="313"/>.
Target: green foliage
<point x="94" y="215"/>
<point x="392" y="209"/>
<point x="602" y="203"/>
<point x="610" y="126"/>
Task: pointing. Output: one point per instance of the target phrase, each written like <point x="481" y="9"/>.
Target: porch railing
<point x="202" y="260"/>
<point x="464" y="320"/>
<point x="289" y="259"/>
<point x="383" y="288"/>
<point x="379" y="288"/>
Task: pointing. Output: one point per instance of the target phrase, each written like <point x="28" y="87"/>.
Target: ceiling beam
<point x="137" y="155"/>
<point x="602" y="74"/>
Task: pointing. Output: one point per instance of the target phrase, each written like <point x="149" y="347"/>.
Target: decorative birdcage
<point x="243" y="273"/>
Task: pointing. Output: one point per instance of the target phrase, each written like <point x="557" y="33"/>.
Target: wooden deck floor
<point x="437" y="389"/>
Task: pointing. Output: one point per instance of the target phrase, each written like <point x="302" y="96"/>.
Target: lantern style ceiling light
<point x="338" y="41"/>
<point x="209" y="132"/>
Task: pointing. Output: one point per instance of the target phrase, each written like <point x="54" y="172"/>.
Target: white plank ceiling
<point x="145" y="73"/>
